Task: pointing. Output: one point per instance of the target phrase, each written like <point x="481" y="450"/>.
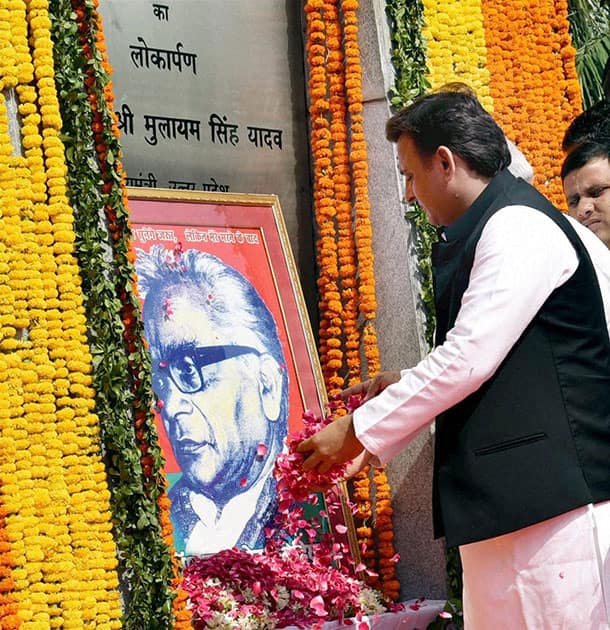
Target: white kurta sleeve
<point x="520" y="259"/>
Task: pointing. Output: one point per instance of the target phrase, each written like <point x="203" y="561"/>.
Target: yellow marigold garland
<point x="455" y="45"/>
<point x="9" y="618"/>
<point x="52" y="478"/>
<point x="143" y="529"/>
<point x="534" y="86"/>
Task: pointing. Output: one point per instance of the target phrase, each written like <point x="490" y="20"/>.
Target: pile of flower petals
<point x="237" y="589"/>
<point x="304" y="577"/>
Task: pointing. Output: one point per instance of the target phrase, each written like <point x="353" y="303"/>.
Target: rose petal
<point x="261" y="450"/>
<point x="317" y="603"/>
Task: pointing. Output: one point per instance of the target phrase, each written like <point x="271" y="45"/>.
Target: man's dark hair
<point x="589" y="125"/>
<point x="457" y="120"/>
<point x="584" y="153"/>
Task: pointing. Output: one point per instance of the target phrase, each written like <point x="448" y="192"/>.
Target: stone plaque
<point x="210" y="95"/>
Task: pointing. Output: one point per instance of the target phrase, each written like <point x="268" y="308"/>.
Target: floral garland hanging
<point x="346" y="246"/>
<point x="9" y="617"/>
<point x="455" y="45"/>
<point x="410" y="70"/>
<point x="141" y="508"/>
<point x="56" y="508"/>
<point x="330" y="331"/>
<point x="533" y="82"/>
<point x="346" y="271"/>
<point x="384" y="545"/>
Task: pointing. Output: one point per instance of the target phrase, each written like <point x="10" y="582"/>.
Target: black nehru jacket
<point x="534" y="440"/>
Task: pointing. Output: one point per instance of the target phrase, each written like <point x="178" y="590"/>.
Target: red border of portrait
<point x="247" y="232"/>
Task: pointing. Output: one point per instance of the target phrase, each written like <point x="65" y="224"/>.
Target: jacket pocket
<point x="508" y="444"/>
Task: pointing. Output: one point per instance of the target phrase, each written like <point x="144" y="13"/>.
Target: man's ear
<point x="446" y="160"/>
<point x="270" y="386"/>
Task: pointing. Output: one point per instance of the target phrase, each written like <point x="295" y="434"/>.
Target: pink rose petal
<point x="261" y="450"/>
<point x="317" y="603"/>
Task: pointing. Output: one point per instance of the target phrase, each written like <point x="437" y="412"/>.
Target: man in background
<point x="220" y="378"/>
<point x="586" y="183"/>
<point x="593" y="122"/>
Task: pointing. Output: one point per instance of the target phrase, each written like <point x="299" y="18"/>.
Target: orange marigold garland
<point x="386" y="554"/>
<point x="346" y="266"/>
<point x="346" y="246"/>
<point x="331" y="355"/>
<point x="362" y="206"/>
<point x="534" y="87"/>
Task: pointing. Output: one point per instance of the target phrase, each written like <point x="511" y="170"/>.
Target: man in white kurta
<point x="552" y="574"/>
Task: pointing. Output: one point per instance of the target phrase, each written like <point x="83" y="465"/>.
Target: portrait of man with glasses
<point x="221" y="382"/>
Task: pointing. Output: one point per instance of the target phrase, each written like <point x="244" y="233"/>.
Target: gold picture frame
<point x="246" y="232"/>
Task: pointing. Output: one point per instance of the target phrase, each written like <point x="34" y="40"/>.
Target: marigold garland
<point x="346" y="246"/>
<point x="9" y="617"/>
<point x="362" y="206"/>
<point x="368" y="306"/>
<point x="57" y="519"/>
<point x="330" y="306"/>
<point x="455" y="45"/>
<point x="346" y="267"/>
<point x="534" y="86"/>
<point x="145" y="533"/>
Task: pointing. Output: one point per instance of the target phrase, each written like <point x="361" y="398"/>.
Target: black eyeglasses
<point x="184" y="365"/>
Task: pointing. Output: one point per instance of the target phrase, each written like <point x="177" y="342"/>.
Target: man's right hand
<point x="370" y="388"/>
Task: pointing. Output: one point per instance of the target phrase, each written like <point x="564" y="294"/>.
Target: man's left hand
<point x="335" y="444"/>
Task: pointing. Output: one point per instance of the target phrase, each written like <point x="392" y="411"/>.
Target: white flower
<point x="283" y="597"/>
<point x="370" y="601"/>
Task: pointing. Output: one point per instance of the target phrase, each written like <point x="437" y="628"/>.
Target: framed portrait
<point x="234" y="360"/>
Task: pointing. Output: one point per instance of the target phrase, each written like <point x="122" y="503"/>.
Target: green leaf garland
<point x="406" y="19"/>
<point x="122" y="374"/>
